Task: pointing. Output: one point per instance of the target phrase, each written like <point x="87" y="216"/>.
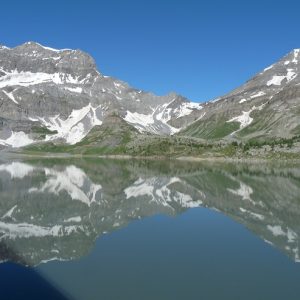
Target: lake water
<point x="104" y="229"/>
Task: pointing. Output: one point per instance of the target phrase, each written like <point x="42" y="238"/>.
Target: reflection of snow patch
<point x="17" y="169"/>
<point x="244" y="191"/>
<point x="9" y="213"/>
<point x="160" y="192"/>
<point x="71" y="180"/>
<point x="276" y="230"/>
<point x="254" y="215"/>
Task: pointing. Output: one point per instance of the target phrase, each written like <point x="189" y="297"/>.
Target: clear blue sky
<point x="200" y="49"/>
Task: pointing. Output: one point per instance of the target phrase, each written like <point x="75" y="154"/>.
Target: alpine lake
<point x="148" y="229"/>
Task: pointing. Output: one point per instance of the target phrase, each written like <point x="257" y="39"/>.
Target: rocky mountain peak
<point x="62" y="91"/>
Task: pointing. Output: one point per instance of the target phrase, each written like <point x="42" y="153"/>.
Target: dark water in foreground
<point x="148" y="230"/>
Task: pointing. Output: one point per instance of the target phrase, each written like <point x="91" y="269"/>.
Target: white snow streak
<point x="26" y="79"/>
<point x="17" y="140"/>
<point x="71" y="129"/>
<point x="10" y="96"/>
<point x="74" y="90"/>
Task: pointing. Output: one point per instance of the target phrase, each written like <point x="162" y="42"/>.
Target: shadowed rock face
<point x="63" y="91"/>
<point x="55" y="211"/>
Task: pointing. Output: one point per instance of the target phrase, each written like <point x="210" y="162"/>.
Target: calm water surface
<point x="95" y="229"/>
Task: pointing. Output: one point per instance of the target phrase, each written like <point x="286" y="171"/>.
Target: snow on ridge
<point x="215" y="100"/>
<point x="268" y="68"/>
<point x="49" y="48"/>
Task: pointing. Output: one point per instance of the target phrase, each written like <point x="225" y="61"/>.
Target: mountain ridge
<point x="62" y="90"/>
<point x="63" y="93"/>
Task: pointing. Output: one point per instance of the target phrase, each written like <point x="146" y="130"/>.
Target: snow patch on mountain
<point x="10" y="96"/>
<point x="245" y="119"/>
<point x="186" y="108"/>
<point x="259" y="94"/>
<point x="74" y="90"/>
<point x="48" y="48"/>
<point x="159" y="118"/>
<point x="15" y="78"/>
<point x="17" y="140"/>
<point x="296" y="55"/>
<point x="151" y="122"/>
<point x="72" y="129"/>
<point x="277" y="79"/>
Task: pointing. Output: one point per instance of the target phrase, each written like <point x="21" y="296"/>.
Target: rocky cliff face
<point x="59" y="95"/>
<point x="266" y="106"/>
<point x="63" y="92"/>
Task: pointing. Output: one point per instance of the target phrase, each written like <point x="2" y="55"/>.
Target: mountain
<point x="266" y="106"/>
<point x="48" y="94"/>
<point x="55" y="99"/>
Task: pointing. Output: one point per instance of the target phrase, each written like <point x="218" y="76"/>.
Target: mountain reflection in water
<point x="55" y="209"/>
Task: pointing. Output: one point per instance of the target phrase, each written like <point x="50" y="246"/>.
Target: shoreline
<point x="12" y="155"/>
